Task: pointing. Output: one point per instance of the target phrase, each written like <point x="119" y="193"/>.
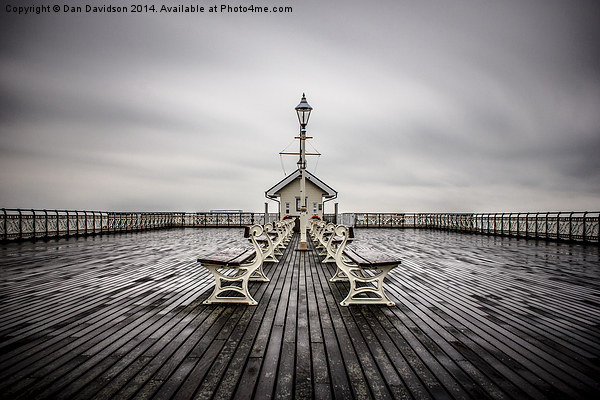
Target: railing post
<point x="46" y="223"/>
<point x="571" y="226"/>
<point x="487" y="223"/>
<point x="76" y="222"/>
<point x="33" y="223"/>
<point x="20" y="224"/>
<point x="584" y="219"/>
<point x="68" y="223"/>
<point x="57" y="223"/>
<point x="501" y="223"/>
<point x="5" y="222"/>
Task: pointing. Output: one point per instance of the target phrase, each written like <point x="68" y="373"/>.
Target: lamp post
<point x="303" y="110"/>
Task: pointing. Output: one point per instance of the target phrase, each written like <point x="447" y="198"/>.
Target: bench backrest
<point x="344" y="232"/>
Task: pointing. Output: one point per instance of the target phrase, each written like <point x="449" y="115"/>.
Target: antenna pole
<point x="303" y="110"/>
<point x="303" y="213"/>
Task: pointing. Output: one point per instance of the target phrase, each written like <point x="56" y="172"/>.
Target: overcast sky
<point x="419" y="106"/>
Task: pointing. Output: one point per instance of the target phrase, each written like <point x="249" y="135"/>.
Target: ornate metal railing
<point x="19" y="224"/>
<point x="568" y="226"/>
<point x="223" y="219"/>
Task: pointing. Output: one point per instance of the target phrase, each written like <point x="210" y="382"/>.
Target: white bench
<point x="233" y="268"/>
<point x="365" y="268"/>
<point x="282" y="232"/>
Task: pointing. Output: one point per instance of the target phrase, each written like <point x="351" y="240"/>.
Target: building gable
<point x="276" y="190"/>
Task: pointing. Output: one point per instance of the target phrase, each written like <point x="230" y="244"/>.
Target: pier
<point x="121" y="316"/>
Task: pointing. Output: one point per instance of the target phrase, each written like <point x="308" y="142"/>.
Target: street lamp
<point x="303" y="110"/>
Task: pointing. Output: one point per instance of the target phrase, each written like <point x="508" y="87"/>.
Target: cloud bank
<point x="418" y="106"/>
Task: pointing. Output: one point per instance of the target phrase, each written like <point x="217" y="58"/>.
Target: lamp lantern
<point x="303" y="110"/>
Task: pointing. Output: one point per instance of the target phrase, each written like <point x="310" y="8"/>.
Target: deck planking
<point x="121" y="316"/>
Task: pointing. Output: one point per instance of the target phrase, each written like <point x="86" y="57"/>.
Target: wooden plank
<point x="268" y="343"/>
<point x="348" y="378"/>
<point x="121" y="316"/>
<point x="303" y="388"/>
<point x="506" y="346"/>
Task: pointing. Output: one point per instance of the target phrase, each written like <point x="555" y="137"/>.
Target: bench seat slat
<point x="367" y="257"/>
<point x="234" y="256"/>
<point x="338" y="239"/>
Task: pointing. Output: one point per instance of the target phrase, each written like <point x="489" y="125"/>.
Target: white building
<point x="287" y="193"/>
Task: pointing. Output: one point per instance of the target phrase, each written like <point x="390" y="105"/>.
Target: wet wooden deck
<point x="120" y="316"/>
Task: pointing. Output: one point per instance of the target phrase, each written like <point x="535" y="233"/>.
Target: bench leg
<point x="330" y="257"/>
<point x="242" y="278"/>
<point x="330" y="251"/>
<point x="269" y="255"/>
<point x="339" y="276"/>
<point x="271" y="258"/>
<point x="356" y="276"/>
<point x="259" y="275"/>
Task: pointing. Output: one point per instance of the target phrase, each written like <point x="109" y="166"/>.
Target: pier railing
<point x="567" y="226"/>
<point x="20" y="224"/>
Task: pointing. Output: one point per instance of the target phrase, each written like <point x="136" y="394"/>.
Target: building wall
<point x="290" y="192"/>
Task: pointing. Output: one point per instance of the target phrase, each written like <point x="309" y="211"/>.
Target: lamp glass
<point x="303" y="115"/>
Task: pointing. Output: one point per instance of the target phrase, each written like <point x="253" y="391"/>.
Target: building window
<point x="287" y="208"/>
<point x="298" y="205"/>
<point x="315" y="209"/>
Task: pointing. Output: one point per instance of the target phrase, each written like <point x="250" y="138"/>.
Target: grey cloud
<point x="426" y="103"/>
